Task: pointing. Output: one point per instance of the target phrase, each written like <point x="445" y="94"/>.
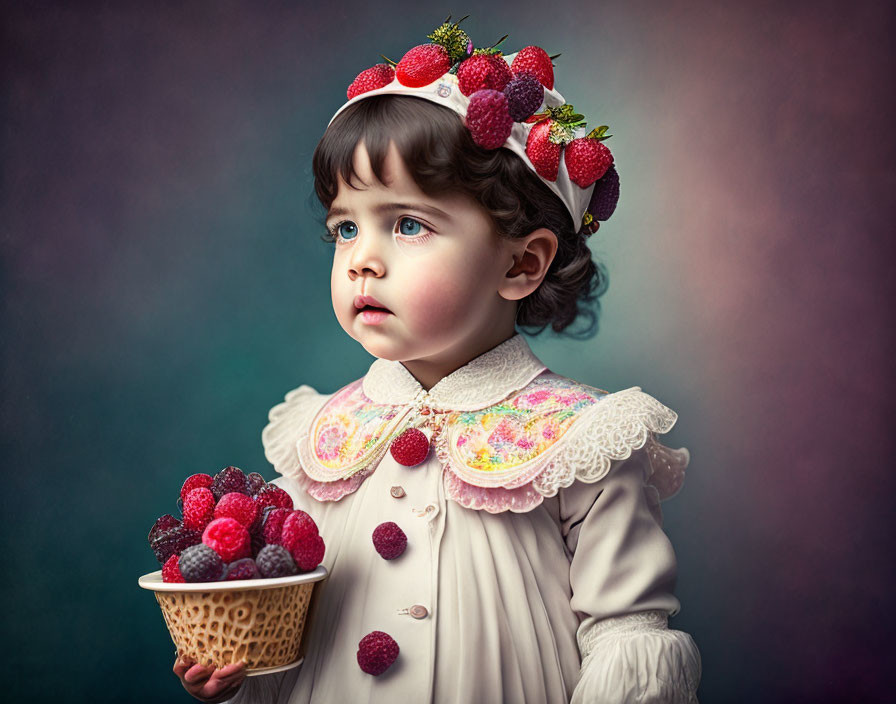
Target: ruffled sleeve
<point x="622" y="576"/>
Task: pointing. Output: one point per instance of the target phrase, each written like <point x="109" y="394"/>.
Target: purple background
<point x="164" y="286"/>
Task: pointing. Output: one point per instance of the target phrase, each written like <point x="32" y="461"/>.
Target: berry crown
<point x="507" y="101"/>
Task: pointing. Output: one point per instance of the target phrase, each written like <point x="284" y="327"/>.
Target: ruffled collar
<point x="481" y="382"/>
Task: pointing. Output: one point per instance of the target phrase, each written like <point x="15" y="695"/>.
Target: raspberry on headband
<point x="506" y="101"/>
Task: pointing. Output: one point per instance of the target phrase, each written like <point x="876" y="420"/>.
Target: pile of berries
<point x="502" y="94"/>
<point x="234" y="526"/>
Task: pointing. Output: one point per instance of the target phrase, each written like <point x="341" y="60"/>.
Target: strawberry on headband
<point x="507" y="101"/>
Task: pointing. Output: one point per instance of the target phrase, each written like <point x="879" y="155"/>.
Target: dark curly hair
<point x="441" y="157"/>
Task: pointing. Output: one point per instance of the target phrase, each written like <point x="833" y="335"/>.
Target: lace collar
<point x="481" y="382"/>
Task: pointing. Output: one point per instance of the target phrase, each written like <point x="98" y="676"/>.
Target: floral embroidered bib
<point x="507" y="431"/>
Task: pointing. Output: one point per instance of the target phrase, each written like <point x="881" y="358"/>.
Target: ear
<point x="532" y="256"/>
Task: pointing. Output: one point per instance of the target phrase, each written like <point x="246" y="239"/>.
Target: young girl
<point x="492" y="528"/>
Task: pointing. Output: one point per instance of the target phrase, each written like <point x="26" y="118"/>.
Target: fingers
<point x="208" y="682"/>
<point x="219" y="683"/>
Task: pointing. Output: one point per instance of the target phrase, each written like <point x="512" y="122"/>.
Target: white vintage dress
<point x="536" y="568"/>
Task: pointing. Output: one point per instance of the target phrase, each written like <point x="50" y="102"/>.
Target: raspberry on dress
<point x="229" y="479"/>
<point x="376" y="652"/>
<point x="199" y="563"/>
<point x="389" y="540"/>
<point x="173" y="542"/>
<point x="273" y="525"/>
<point x="273" y="495"/>
<point x="275" y="561"/>
<point x="297" y="526"/>
<point x="227" y="537"/>
<point x="199" y="508"/>
<point x="170" y="570"/>
<point x="256" y="481"/>
<point x="163" y="523"/>
<point x="195" y="481"/>
<point x="244" y="568"/>
<point x="237" y="506"/>
<point x="410" y="448"/>
<point x="308" y="552"/>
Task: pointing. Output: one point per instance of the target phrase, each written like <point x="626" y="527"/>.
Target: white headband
<point x="445" y="91"/>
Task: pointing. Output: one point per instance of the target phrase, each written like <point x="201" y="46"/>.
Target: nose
<point x="365" y="259"/>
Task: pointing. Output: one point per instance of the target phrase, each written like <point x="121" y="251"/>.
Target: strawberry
<point x="587" y="160"/>
<point x="542" y="152"/>
<point x="371" y="79"/>
<point x="535" y="60"/>
<point x="483" y="71"/>
<point x="422" y="65"/>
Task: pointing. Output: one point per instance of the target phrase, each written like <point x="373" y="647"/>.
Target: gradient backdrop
<point x="164" y="286"/>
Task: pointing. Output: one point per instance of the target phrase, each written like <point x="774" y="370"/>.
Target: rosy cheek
<point x="436" y="298"/>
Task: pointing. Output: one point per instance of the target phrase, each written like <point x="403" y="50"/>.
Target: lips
<point x="369" y="303"/>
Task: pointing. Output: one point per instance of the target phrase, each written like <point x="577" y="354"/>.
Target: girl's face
<point x="435" y="263"/>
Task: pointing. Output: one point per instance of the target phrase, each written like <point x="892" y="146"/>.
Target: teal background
<point x="164" y="286"/>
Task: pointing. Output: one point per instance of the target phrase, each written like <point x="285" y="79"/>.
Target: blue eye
<point x="349" y="232"/>
<point x="414" y="224"/>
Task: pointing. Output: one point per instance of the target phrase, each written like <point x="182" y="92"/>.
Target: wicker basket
<point x="256" y="621"/>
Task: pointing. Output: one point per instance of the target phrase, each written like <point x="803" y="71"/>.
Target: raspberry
<point x="237" y="506"/>
<point x="227" y="537"/>
<point x="256" y="481"/>
<point x="410" y="448"/>
<point x="173" y="542"/>
<point x="275" y="561"/>
<point x="170" y="570"/>
<point x="370" y="79"/>
<point x="376" y="652"/>
<point x="297" y="526"/>
<point x="389" y="540"/>
<point x="525" y="94"/>
<point x="199" y="563"/>
<point x="422" y="64"/>
<point x="163" y="523"/>
<point x="488" y="118"/>
<point x="229" y="479"/>
<point x="273" y="495"/>
<point x="244" y="568"/>
<point x="199" y="508"/>
<point x="605" y="196"/>
<point x="195" y="481"/>
<point x="273" y="525"/>
<point x="308" y="552"/>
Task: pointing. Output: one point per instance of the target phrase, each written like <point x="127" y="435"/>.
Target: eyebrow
<point x="392" y="207"/>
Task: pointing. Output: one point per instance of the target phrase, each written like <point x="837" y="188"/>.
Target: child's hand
<point x="209" y="684"/>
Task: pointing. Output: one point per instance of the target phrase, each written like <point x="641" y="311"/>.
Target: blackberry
<point x="230" y="479"/>
<point x="525" y="95"/>
<point x="275" y="561"/>
<point x="256" y="542"/>
<point x="605" y="195"/>
<point x="256" y="481"/>
<point x="242" y="569"/>
<point x="173" y="542"/>
<point x="166" y="522"/>
<point x="199" y="563"/>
